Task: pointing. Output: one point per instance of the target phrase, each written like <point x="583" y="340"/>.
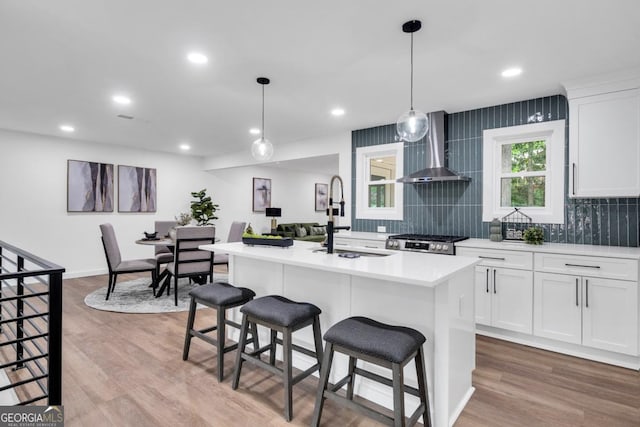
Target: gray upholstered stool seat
<point x="222" y="293"/>
<point x="381" y="344"/>
<point x="280" y="311"/>
<point x="221" y="296"/>
<point x="285" y="316"/>
<point x="364" y="335"/>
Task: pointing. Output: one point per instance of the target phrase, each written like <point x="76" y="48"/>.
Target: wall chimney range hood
<point x="437" y="171"/>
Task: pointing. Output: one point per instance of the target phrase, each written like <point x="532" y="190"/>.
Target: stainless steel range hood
<point x="436" y="171"/>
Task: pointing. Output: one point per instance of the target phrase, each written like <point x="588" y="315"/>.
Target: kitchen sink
<point x="355" y="252"/>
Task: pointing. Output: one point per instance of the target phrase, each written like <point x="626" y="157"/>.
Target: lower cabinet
<point x="504" y="298"/>
<point x="592" y="311"/>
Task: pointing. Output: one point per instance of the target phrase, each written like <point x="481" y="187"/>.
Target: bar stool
<point x="221" y="296"/>
<point x="279" y="314"/>
<point x="384" y="345"/>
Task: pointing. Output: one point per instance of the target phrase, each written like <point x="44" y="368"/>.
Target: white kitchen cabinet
<point x="604" y="143"/>
<point x="504" y="288"/>
<point x="610" y="315"/>
<point x="557" y="307"/>
<point x="504" y="298"/>
<point x="593" y="311"/>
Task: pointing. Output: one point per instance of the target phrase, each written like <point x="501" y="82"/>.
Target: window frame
<point x="363" y="157"/>
<point x="553" y="133"/>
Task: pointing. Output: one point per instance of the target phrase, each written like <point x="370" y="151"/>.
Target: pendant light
<point x="262" y="149"/>
<point x="412" y="125"/>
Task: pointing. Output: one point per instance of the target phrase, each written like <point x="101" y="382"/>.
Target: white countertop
<point x="400" y="266"/>
<point x="363" y="235"/>
<point x="558" y="248"/>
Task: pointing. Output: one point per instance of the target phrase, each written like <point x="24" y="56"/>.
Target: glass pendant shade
<point x="262" y="149"/>
<point x="412" y="126"/>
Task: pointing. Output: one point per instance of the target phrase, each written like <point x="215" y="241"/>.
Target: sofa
<point x="307" y="231"/>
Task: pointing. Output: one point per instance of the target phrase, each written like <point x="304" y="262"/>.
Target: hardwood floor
<point x="126" y="370"/>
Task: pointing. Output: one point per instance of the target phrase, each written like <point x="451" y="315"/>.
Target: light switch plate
<point x="382" y="229"/>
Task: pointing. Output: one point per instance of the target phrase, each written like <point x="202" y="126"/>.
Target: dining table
<point x="163" y="277"/>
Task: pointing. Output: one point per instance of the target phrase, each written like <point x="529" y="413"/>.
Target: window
<point x="523" y="166"/>
<point x="378" y="195"/>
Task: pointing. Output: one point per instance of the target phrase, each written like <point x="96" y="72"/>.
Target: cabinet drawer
<point x="500" y="258"/>
<point x="362" y="243"/>
<point x="613" y="268"/>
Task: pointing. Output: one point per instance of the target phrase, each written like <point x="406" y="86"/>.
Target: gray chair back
<point x="162" y="228"/>
<point x="188" y="260"/>
<point x="111" y="249"/>
<point x="236" y="230"/>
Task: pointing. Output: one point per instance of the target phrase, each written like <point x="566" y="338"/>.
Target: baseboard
<point x="84" y="273"/>
<point x="456" y="413"/>
<point x="603" y="356"/>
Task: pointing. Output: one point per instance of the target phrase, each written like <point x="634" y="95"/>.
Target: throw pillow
<point x="318" y="231"/>
<point x="301" y="232"/>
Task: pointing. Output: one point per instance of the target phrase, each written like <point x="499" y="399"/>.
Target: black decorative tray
<point x="283" y="243"/>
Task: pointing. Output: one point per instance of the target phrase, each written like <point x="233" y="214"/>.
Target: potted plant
<point x="533" y="235"/>
<point x="203" y="210"/>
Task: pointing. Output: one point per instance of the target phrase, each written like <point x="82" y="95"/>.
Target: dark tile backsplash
<point x="456" y="207"/>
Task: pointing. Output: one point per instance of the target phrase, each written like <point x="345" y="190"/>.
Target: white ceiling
<point x="62" y="60"/>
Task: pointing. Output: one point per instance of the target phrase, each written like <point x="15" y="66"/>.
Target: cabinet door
<point x="604" y="145"/>
<point x="610" y="315"/>
<point x="512" y="300"/>
<point x="483" y="296"/>
<point x="557" y="307"/>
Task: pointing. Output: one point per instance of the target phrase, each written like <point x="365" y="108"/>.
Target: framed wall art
<point x="261" y="194"/>
<point x="89" y="186"/>
<point x="322" y="197"/>
<point x="136" y="189"/>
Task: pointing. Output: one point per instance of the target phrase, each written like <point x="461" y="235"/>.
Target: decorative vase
<point x="495" y="230"/>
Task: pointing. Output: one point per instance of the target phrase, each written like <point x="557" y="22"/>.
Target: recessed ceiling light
<point x="67" y="128"/>
<point x="185" y="147"/>
<point x="512" y="72"/>
<point x="337" y="112"/>
<point x="254" y="131"/>
<point x="197" y="58"/>
<point x="121" y="99"/>
<point x="379" y="160"/>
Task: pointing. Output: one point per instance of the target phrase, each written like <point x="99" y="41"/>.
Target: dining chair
<point x="163" y="254"/>
<point x="116" y="264"/>
<point x="235" y="235"/>
<point x="188" y="260"/>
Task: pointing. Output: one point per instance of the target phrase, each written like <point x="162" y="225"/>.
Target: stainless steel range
<point x="426" y="243"/>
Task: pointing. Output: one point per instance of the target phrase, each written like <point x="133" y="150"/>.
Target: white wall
<point x="231" y="182"/>
<point x="33" y="197"/>
<point x="33" y="194"/>
<point x="292" y="191"/>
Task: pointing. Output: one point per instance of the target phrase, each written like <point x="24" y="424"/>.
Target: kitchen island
<point x="428" y="292"/>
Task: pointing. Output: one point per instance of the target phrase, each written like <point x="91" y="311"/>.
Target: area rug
<point x="135" y="296"/>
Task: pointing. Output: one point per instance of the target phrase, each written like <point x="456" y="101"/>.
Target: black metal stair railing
<point x="31" y="326"/>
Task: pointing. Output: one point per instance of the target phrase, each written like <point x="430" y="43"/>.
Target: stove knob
<point x="445" y="247"/>
<point x="439" y="246"/>
<point x="396" y="244"/>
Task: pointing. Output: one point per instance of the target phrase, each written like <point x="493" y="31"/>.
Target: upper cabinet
<point x="604" y="136"/>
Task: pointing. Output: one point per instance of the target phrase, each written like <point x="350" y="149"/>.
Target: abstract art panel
<point x="136" y="189"/>
<point x="261" y="194"/>
<point x="322" y="197"/>
<point x="89" y="186"/>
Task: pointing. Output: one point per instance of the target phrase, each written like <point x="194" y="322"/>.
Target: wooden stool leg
<point x="241" y="344"/>
<point x="272" y="352"/>
<point x="322" y="384"/>
<point x="221" y="340"/>
<point x="287" y="371"/>
<point x="398" y="395"/>
<point x="422" y="387"/>
<point x="254" y="336"/>
<point x="190" y="322"/>
<point x="317" y="337"/>
<point x="352" y="377"/>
